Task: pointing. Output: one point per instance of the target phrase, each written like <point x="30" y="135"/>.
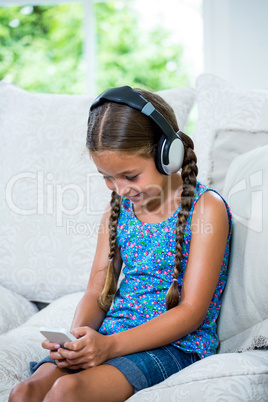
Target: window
<point x="80" y="47"/>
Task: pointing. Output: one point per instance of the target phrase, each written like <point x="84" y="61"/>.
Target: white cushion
<point x="222" y="106"/>
<point x="245" y="299"/>
<point x="226" y="377"/>
<point x="227" y="145"/>
<point x="54" y="195"/>
<point x="14" y="309"/>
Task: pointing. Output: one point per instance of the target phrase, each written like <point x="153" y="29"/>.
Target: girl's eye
<point x="132" y="178"/>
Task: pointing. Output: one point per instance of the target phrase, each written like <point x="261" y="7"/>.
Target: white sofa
<point x="51" y="202"/>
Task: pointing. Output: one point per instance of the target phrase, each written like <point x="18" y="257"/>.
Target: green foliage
<point x="128" y="54"/>
<point x="41" y="49"/>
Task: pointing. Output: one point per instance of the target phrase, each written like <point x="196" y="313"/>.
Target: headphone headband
<point x="127" y="96"/>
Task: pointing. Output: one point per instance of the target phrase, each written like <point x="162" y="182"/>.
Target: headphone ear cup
<point x="174" y="155"/>
<point x="158" y="155"/>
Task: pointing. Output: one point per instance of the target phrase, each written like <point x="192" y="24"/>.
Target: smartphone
<point x="57" y="335"/>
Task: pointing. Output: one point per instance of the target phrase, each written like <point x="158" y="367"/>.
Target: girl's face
<point x="132" y="176"/>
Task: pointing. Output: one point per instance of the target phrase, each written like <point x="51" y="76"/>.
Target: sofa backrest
<point x="243" y="319"/>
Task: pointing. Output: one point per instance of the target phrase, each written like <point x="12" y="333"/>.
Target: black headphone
<point x="170" y="149"/>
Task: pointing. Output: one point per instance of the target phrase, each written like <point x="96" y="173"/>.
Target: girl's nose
<point x="121" y="188"/>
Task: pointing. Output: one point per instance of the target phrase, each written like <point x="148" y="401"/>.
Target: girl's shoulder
<point x="201" y="189"/>
<point x="209" y="200"/>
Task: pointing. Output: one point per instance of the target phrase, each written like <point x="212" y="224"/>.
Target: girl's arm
<point x="210" y="229"/>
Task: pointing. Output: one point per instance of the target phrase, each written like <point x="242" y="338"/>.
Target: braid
<point x="189" y="173"/>
<point x="107" y="295"/>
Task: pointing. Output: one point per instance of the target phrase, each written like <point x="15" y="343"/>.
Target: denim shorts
<point x="145" y="369"/>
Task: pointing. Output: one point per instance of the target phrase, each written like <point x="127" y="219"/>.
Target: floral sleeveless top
<point x="148" y="253"/>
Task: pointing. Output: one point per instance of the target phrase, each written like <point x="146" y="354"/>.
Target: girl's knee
<point x="63" y="389"/>
<point x="21" y="392"/>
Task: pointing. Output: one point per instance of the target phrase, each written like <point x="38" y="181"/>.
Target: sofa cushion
<point x="226" y="145"/>
<point x="14" y="309"/>
<point x="226" y="377"/>
<point x="52" y="196"/>
<point x="245" y="299"/>
<point x="222" y="106"/>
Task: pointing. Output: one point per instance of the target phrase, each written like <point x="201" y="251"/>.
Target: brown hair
<point x="122" y="128"/>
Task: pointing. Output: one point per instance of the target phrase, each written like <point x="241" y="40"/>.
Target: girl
<point x="171" y="233"/>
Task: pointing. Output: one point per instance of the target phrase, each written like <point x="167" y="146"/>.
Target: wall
<point x="236" y="41"/>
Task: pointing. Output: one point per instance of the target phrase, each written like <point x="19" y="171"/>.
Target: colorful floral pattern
<point x="148" y="252"/>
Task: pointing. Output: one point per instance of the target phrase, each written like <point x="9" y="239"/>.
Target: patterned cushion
<point x="226" y="377"/>
<point x="222" y="106"/>
<point x="227" y="145"/>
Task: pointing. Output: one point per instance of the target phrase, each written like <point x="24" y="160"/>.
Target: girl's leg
<point x="35" y="388"/>
<point x="98" y="384"/>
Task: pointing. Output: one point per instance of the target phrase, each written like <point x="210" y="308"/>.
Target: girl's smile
<point x="135" y="197"/>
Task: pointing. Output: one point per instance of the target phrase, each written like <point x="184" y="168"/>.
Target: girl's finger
<point x="61" y="363"/>
<point x="49" y="345"/>
<point x="75" y="345"/>
<point x="76" y="362"/>
<point x="54" y="355"/>
<point x="70" y="354"/>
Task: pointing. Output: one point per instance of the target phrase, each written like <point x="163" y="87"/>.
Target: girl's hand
<point x="53" y="347"/>
<point x="90" y="350"/>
